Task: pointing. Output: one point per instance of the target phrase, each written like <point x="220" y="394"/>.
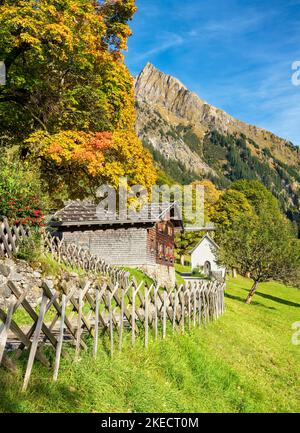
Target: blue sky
<point x="235" y="54"/>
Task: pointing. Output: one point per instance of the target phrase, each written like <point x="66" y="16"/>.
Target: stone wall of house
<point x="126" y="247"/>
<point x="133" y="247"/>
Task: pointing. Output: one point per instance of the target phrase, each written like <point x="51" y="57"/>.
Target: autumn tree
<point x="211" y="197"/>
<point x="78" y="162"/>
<point x="66" y="80"/>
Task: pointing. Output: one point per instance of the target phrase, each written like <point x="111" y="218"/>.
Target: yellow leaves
<point x="111" y="171"/>
<point x="118" y="30"/>
<point x="79" y="84"/>
<point x="137" y="162"/>
<point x="211" y="196"/>
<point x="29" y="39"/>
<point x="74" y="8"/>
<point x="55" y="150"/>
<point x="58" y="33"/>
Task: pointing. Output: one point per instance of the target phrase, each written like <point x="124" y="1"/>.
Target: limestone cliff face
<point x="156" y="88"/>
<point x="174" y="121"/>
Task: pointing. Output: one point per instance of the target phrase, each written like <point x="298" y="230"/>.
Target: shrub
<point x="21" y="200"/>
<point x="30" y="248"/>
<point x="198" y="272"/>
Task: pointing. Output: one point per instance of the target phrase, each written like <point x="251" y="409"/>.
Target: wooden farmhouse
<point x="146" y="242"/>
<point x="204" y="257"/>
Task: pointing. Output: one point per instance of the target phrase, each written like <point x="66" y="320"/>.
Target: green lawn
<point x="244" y="362"/>
<point x="139" y="276"/>
<point x="183" y="269"/>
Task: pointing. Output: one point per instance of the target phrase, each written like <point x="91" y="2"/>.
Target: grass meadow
<point x="244" y="362"/>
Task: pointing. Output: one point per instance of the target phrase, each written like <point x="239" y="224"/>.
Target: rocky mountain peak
<point x="156" y="88"/>
<point x="151" y="79"/>
<point x="166" y="93"/>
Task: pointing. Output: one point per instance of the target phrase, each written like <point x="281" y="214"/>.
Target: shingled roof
<point x="79" y="213"/>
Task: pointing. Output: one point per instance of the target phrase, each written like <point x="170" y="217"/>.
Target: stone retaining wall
<point x="25" y="278"/>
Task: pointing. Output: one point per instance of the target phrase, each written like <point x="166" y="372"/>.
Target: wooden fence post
<point x="182" y="299"/>
<point x="200" y="305"/>
<point x="146" y="321"/>
<point x="135" y="290"/>
<point x="121" y="319"/>
<point x="61" y="338"/>
<point x="111" y="325"/>
<point x="194" y="304"/>
<point x="133" y="316"/>
<point x="5" y="329"/>
<point x="165" y="314"/>
<point x="35" y="341"/>
<point x="96" y="331"/>
<point x="189" y="310"/>
<point x="79" y="324"/>
<point x="174" y="310"/>
<point x="155" y="313"/>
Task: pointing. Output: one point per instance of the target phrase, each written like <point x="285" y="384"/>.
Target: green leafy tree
<point x="187" y="240"/>
<point x="257" y="195"/>
<point x="231" y="205"/>
<point x="262" y="246"/>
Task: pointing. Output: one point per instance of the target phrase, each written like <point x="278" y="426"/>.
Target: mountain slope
<point x="191" y="139"/>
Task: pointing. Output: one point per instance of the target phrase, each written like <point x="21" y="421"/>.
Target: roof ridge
<point x="86" y="211"/>
<point x="201" y="240"/>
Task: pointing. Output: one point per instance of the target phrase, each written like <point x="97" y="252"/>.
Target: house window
<point x="170" y="231"/>
<point x="160" y="250"/>
<point x="152" y="245"/>
<point x="162" y="227"/>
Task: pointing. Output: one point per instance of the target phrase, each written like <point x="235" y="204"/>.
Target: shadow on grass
<point x="243" y="300"/>
<point x="41" y="396"/>
<point x="12" y="400"/>
<point x="274" y="299"/>
<point x="279" y="300"/>
<point x="8" y="404"/>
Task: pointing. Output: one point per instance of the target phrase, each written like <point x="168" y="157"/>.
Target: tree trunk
<point x="234" y="273"/>
<point x="252" y="293"/>
<point x="182" y="260"/>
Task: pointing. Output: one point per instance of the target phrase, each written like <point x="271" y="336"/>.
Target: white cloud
<point x="164" y="43"/>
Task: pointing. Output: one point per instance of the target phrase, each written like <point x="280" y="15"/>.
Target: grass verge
<point x="244" y="362"/>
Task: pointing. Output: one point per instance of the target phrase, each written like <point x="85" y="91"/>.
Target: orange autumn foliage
<point x="79" y="162"/>
<point x="78" y="148"/>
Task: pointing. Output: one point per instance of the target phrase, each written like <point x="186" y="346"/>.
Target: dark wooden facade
<point x="161" y="242"/>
